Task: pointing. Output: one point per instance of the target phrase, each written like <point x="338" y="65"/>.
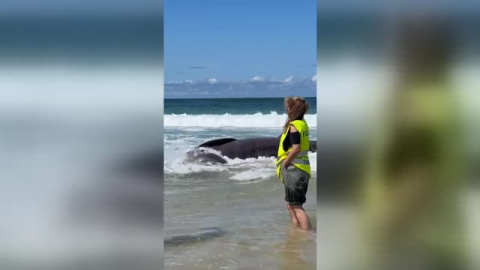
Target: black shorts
<point x="296" y="185"/>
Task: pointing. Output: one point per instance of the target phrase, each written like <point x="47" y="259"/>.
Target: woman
<point x="293" y="166"/>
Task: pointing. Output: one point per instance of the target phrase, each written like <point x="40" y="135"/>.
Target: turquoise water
<point x="230" y="105"/>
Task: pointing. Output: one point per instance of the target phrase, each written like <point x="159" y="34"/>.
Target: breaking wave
<point x="257" y="120"/>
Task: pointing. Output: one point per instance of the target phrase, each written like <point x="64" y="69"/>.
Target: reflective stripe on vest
<point x="296" y="161"/>
<point x="303" y="153"/>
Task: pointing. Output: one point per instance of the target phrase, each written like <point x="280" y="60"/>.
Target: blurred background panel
<point x="81" y="107"/>
<point x="398" y="107"/>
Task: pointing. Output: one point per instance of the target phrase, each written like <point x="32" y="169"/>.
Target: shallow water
<point x="240" y="203"/>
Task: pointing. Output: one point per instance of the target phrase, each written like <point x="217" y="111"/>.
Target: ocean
<point x="83" y="96"/>
<point x="230" y="215"/>
<point x="80" y="100"/>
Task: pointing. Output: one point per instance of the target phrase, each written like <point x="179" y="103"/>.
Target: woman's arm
<point x="294" y="152"/>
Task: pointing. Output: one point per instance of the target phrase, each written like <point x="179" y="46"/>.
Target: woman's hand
<point x="291" y="156"/>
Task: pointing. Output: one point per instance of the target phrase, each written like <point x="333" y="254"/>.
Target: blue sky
<point x="239" y="40"/>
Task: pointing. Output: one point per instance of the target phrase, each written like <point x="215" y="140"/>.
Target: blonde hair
<point x="296" y="108"/>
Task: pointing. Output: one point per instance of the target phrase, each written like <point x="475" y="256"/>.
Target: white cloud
<point x="314" y="78"/>
<point x="212" y="81"/>
<point x="174" y="82"/>
<point x="189" y="81"/>
<point x="257" y="79"/>
<point x="288" y="80"/>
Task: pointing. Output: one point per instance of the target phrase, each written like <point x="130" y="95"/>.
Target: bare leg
<point x="293" y="217"/>
<point x="302" y="217"/>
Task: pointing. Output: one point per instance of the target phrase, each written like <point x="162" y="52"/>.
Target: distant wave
<point x="257" y="120"/>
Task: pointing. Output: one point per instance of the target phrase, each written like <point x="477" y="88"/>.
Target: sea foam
<point x="257" y="120"/>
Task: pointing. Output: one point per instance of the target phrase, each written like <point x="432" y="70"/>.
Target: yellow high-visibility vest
<point x="301" y="161"/>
